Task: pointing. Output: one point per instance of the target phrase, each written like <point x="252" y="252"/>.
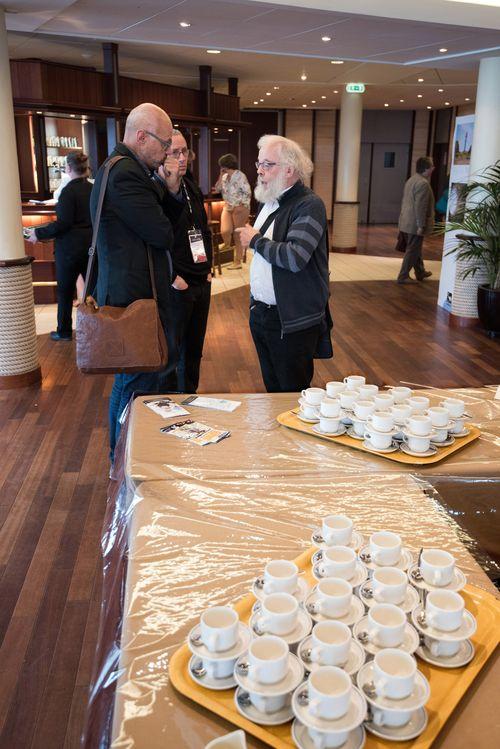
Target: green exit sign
<point x="355" y="88"/>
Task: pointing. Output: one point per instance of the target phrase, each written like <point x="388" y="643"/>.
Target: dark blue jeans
<point x="123" y="387"/>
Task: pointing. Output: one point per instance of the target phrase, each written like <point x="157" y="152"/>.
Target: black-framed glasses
<point x="266" y="165"/>
<point x="165" y="144"/>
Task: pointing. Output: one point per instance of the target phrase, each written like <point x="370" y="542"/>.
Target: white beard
<point x="270" y="192"/>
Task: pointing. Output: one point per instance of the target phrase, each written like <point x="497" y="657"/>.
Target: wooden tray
<point x="291" y="420"/>
<point x="447" y="685"/>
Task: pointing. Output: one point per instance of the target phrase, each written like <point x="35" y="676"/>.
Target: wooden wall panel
<point x="26" y="79"/>
<point x="420" y="132"/>
<point x="181" y="101"/>
<point x="225" y="107"/>
<point x="26" y="163"/>
<point x="299" y="127"/>
<point x="73" y="85"/>
<point x="324" y="156"/>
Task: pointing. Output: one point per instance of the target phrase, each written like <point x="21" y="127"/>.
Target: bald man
<point x="132" y="219"/>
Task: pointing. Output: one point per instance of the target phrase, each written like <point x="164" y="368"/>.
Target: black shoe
<point x="424" y="275"/>
<point x="57" y="337"/>
<point x="407" y="279"/>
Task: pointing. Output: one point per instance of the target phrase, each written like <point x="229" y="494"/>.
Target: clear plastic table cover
<point x="173" y="547"/>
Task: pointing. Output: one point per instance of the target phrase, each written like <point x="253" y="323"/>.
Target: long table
<point x="192" y="526"/>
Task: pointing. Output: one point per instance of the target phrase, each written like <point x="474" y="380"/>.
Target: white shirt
<point x="261" y="272"/>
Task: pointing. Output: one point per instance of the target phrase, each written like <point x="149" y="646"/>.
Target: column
<point x="110" y="58"/>
<point x="204" y="146"/>
<point x="19" y="364"/>
<point x="485" y="152"/>
<point x="346" y="206"/>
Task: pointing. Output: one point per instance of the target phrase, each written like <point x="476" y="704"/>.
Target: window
<point x="389" y="160"/>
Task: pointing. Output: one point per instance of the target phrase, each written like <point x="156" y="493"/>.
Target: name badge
<point x="197" y="247"/>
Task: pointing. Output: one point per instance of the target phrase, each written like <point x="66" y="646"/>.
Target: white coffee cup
<point x="381" y="421"/>
<point x="383" y="401"/>
<point x="310" y="412"/>
<point x="331" y="642"/>
<point x="330" y="407"/>
<point x="442" y="648"/>
<point x="439" y="435"/>
<point x="359" y="426"/>
<point x="333" y="388"/>
<point x="329" y="690"/>
<point x="219" y="628"/>
<point x="389" y="585"/>
<point x="386" y="625"/>
<point x="233" y="740"/>
<point x="334" y="598"/>
<point x="378" y="440"/>
<point x="217" y="668"/>
<point x="337" y="530"/>
<point x="416" y="443"/>
<point x="401" y="412"/>
<point x="324" y="740"/>
<point x="313" y="396"/>
<point x="385" y="548"/>
<point x="419" y="404"/>
<point x="363" y="408"/>
<point x="354" y="381"/>
<point x="400" y="393"/>
<point x="444" y="610"/>
<point x="267" y="704"/>
<point x="267" y="660"/>
<point x="391" y="718"/>
<point x="280" y="576"/>
<point x="338" y="561"/>
<point x="278" y="614"/>
<point x="349" y="398"/>
<point x="454" y="406"/>
<point x="329" y="425"/>
<point x="394" y="674"/>
<point x="437" y="567"/>
<point x="420" y="425"/>
<point x="439" y="416"/>
<point x="368" y="391"/>
<point x="458" y="425"/>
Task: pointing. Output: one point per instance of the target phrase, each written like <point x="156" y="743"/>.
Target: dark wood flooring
<point x="54" y="466"/>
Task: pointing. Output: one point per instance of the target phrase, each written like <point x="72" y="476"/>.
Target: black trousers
<point x="413" y="257"/>
<point x="188" y="322"/>
<point x="286" y="360"/>
<point x="68" y="268"/>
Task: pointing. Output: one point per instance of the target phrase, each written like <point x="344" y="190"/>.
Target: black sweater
<point x="72" y="229"/>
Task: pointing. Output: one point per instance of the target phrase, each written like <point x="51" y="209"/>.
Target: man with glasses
<point x="290" y="320"/>
<point x="133" y="219"/>
<point x="192" y="261"/>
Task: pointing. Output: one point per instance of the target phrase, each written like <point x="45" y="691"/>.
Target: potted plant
<point x="478" y="235"/>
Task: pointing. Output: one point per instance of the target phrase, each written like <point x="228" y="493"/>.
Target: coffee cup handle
<point x="345" y="380"/>
<point x="303" y="393"/>
<point x="313" y="707"/>
<point x="319" y="741"/>
<point x="367" y="436"/>
<point x="315" y="655"/>
<point x="377" y="597"/>
<point x="268" y="587"/>
<point x="380" y="687"/>
<point x="434" y="648"/>
<point x="378" y="717"/>
<point x="261" y="624"/>
<point x="210" y="642"/>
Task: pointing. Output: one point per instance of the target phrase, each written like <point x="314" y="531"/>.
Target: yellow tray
<point x="291" y="420"/>
<point x="447" y="685"/>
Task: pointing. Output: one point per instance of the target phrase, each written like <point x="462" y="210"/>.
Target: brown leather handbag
<point x="118" y="340"/>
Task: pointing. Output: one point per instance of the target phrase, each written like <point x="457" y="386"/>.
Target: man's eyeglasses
<point x="165" y="144"/>
<point x="265" y="165"/>
<point x="178" y="152"/>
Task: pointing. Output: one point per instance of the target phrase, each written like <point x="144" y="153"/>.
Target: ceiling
<point x="269" y="46"/>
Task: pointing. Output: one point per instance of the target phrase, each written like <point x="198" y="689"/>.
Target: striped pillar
<point x="346" y="206"/>
<point x="18" y="345"/>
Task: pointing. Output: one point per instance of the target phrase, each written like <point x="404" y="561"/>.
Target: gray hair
<point x="290" y="154"/>
<point x="176" y="132"/>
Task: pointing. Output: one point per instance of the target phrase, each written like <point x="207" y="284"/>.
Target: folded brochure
<point x="195" y="432"/>
<point x="166" y="407"/>
<point x="218" y="404"/>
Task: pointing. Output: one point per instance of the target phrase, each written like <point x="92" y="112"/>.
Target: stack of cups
<point x="218" y="641"/>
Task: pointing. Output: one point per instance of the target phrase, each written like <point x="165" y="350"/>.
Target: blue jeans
<point x="123" y="387"/>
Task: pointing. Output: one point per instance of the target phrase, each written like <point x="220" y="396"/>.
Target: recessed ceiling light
<point x="402" y="101"/>
<point x="335" y="92"/>
<point x="323" y="97"/>
<point x="419" y="96"/>
<point x="386" y="105"/>
<point x="256" y="102"/>
<point x="184" y="24"/>
<point x="443" y="49"/>
<point x="42" y="112"/>
<point x="213" y="51"/>
<point x="467" y="98"/>
<point x="313" y="101"/>
<point x="303" y="77"/>
<point x="420" y="80"/>
<point x="304" y="105"/>
<point x="326" y="38"/>
<point x="428" y="107"/>
<point x="72" y="115"/>
<point x="440" y="90"/>
<point x="268" y="93"/>
<point x="447" y="103"/>
<point x="276" y="88"/>
<point x="230" y="130"/>
<point x="261" y="99"/>
<point x="337" y="62"/>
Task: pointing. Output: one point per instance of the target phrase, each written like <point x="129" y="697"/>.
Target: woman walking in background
<point x="237" y="193"/>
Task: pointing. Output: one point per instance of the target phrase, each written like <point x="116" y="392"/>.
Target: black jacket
<point x="132" y="218"/>
<point x="177" y="210"/>
<point x="72" y="229"/>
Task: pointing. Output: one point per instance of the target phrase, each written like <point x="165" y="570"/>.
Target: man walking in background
<point x="416" y="219"/>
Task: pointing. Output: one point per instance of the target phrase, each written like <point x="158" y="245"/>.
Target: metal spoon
<point x="244" y="699"/>
<point x="197" y="669"/>
<point x="369" y="689"/>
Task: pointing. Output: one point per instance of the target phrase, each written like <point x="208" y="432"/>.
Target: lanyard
<point x="190" y="207"/>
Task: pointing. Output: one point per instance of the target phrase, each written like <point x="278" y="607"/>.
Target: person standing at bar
<point x="72" y="232"/>
<point x="237" y="194"/>
<point x="416" y="220"/>
<point x="192" y="262"/>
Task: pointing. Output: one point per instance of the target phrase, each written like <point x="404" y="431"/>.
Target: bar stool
<point x="214" y="227"/>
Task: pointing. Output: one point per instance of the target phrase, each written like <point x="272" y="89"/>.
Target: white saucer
<point x="340" y="431"/>
<point x="294" y="676"/>
<point x="411" y="598"/>
<point x="359" y="576"/>
<point x="245" y="708"/>
<point x="405" y="561"/>
<point x="244" y="638"/>
<point x="458" y="581"/>
<point x="301" y="738"/>
<point x="415" y="726"/>
<point x="356" y="542"/>
<point x="204" y="680"/>
<point x="348" y="722"/>
<point x="463" y="433"/>
<point x="464" y="656"/>
<point x="411" y="639"/>
<point x="305" y="419"/>
<point x="392" y="449"/>
<point x="355" y="659"/>
<point x="300" y="593"/>
<point x="427" y="454"/>
<point x="356" y="611"/>
<point x="466" y="629"/>
<point x="352" y="433"/>
<point x="419" y="696"/>
<point x="304" y="626"/>
<point x="444" y="443"/>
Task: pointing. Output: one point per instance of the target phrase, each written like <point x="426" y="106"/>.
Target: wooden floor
<point x="53" y="478"/>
